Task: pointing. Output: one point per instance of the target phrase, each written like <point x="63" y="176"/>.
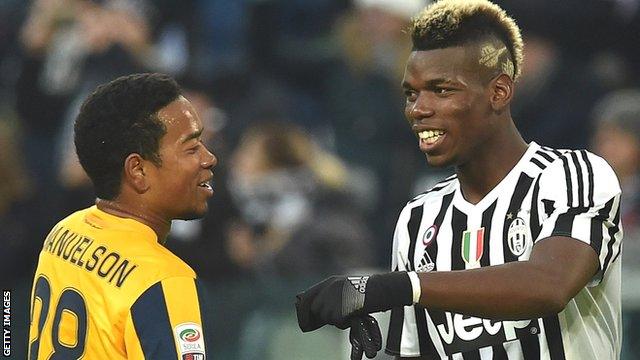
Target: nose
<point x="209" y="159"/>
<point x="420" y="109"/>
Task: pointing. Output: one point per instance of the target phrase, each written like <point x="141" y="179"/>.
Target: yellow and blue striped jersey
<point x="106" y="289"/>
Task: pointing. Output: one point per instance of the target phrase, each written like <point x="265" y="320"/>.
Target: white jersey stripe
<point x="579" y="176"/>
<point x="585" y="158"/>
<point x="568" y="180"/>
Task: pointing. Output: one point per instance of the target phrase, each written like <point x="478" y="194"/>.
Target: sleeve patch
<point x="190" y="341"/>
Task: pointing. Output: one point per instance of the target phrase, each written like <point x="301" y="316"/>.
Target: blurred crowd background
<point x="302" y="104"/>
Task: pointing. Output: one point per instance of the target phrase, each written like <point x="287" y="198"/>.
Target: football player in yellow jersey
<point x="105" y="286"/>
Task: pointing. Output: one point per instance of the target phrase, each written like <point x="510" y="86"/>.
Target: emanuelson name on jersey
<point x="82" y="252"/>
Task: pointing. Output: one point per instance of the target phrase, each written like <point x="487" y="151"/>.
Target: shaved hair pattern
<point x="448" y="23"/>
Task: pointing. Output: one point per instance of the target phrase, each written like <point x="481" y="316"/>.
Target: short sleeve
<point x="580" y="198"/>
<point x="165" y="322"/>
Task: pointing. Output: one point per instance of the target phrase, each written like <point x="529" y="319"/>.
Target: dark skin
<point x="156" y="194"/>
<point x="449" y="91"/>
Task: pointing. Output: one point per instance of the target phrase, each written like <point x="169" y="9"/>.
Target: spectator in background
<point x="364" y="99"/>
<point x="19" y="215"/>
<point x="617" y="139"/>
<point x="550" y="109"/>
<point x="297" y="222"/>
<point x="16" y="207"/>
<point x="296" y="215"/>
<point x="67" y="44"/>
<point x="69" y="47"/>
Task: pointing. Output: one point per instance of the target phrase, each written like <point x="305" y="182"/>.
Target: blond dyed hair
<point x="448" y="23"/>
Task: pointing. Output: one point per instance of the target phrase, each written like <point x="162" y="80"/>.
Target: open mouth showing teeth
<point x="206" y="185"/>
<point x="430" y="136"/>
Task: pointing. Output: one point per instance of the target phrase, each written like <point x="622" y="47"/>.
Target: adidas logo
<point x="359" y="283"/>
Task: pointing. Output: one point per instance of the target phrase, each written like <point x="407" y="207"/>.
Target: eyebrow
<point x="430" y="83"/>
<point x="193" y="135"/>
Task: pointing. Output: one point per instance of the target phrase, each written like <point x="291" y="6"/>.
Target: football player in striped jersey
<point x="516" y="256"/>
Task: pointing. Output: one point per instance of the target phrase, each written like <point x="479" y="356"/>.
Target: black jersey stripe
<point x="519" y="193"/>
<point x="472" y="355"/>
<point x="413" y="227"/>
<point x="597" y="221"/>
<point x="581" y="194"/>
<point x="458" y="225"/>
<point x="556" y="152"/>
<point x="553" y="335"/>
<point x="618" y="252"/>
<point x="530" y="345"/>
<point x="432" y="249"/>
<point x="546" y="156"/>
<point x="567" y="175"/>
<point x="613" y="231"/>
<point x="151" y="321"/>
<point x="534" y="218"/>
<point x="564" y="223"/>
<point x="487" y="216"/>
<point x="590" y="176"/>
<point x="427" y="348"/>
<point x="499" y="353"/>
<point x="538" y="163"/>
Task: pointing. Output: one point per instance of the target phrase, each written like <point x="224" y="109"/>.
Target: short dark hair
<point x="120" y="118"/>
<point x="448" y="23"/>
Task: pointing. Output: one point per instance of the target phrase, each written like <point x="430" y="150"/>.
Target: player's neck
<point x="489" y="166"/>
<point x="122" y="209"/>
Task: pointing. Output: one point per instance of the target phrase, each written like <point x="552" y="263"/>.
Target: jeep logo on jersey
<point x="460" y="333"/>
<point x="519" y="237"/>
<point x="472" y="245"/>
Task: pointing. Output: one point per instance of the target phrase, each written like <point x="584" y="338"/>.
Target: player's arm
<point x="165" y="322"/>
<point x="559" y="267"/>
<point x="574" y="246"/>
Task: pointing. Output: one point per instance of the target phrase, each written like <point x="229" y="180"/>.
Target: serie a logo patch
<point x="190" y="341"/>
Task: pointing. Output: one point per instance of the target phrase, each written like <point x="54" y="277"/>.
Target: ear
<point x="135" y="174"/>
<point x="501" y="92"/>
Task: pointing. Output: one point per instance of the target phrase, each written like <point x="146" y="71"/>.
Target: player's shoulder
<point x="435" y="193"/>
<point x="154" y="264"/>
<point x="575" y="164"/>
<point x="579" y="177"/>
<point x="139" y="244"/>
<point x="157" y="262"/>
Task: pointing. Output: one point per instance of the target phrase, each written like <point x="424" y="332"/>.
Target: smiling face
<point x="448" y="103"/>
<point x="180" y="186"/>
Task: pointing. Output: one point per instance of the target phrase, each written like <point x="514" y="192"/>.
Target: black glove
<point x="364" y="337"/>
<point x="337" y="298"/>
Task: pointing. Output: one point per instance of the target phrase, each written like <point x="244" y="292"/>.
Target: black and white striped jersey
<point x="548" y="193"/>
